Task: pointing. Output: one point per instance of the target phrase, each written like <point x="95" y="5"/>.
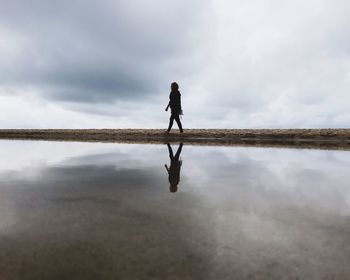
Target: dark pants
<point x="175" y="117"/>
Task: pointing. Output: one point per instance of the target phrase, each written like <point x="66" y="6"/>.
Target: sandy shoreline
<point x="294" y="138"/>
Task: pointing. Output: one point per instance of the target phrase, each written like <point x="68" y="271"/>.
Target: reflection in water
<point x="175" y="167"/>
<point x="101" y="211"/>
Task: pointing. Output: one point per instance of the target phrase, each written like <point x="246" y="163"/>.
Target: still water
<point x="127" y="211"/>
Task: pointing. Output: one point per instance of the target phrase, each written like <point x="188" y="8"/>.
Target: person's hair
<point x="174" y="86"/>
<point x="173" y="188"/>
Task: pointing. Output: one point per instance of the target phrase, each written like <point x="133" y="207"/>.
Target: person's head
<point x="174" y="86"/>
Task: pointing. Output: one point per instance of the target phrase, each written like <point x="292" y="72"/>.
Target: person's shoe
<point x="181" y="131"/>
<point x="166" y="131"/>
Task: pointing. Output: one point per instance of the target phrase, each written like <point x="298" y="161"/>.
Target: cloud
<point x="89" y="51"/>
<point x="279" y="65"/>
<point x="239" y="64"/>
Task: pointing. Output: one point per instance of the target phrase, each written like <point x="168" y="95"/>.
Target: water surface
<point x="115" y="211"/>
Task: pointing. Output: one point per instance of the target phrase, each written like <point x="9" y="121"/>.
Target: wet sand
<point x="289" y="138"/>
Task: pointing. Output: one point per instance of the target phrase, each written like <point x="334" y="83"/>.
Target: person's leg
<point x="177" y="119"/>
<point x="179" y="149"/>
<point x="171" y="121"/>
<point x="171" y="155"/>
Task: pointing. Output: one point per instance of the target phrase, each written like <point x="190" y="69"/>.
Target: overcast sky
<point x="239" y="64"/>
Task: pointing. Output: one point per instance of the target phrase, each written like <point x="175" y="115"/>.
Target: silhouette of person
<point x="175" y="106"/>
<point x="174" y="169"/>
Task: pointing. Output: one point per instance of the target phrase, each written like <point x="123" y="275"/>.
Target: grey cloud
<point x="241" y="64"/>
<point x="87" y="51"/>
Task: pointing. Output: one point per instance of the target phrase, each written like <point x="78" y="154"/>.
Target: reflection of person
<point x="175" y="106"/>
<point x="175" y="166"/>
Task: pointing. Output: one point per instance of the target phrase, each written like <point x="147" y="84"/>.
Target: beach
<point x="295" y="138"/>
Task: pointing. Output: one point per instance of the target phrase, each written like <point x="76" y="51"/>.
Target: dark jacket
<point x="175" y="102"/>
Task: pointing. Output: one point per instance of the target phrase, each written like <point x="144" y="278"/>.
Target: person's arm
<point x="166" y="167"/>
<point x="170" y="98"/>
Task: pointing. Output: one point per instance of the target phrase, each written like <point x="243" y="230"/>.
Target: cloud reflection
<point x="240" y="211"/>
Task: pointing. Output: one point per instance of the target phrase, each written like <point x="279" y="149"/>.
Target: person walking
<point x="175" y="106"/>
<point x="174" y="168"/>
